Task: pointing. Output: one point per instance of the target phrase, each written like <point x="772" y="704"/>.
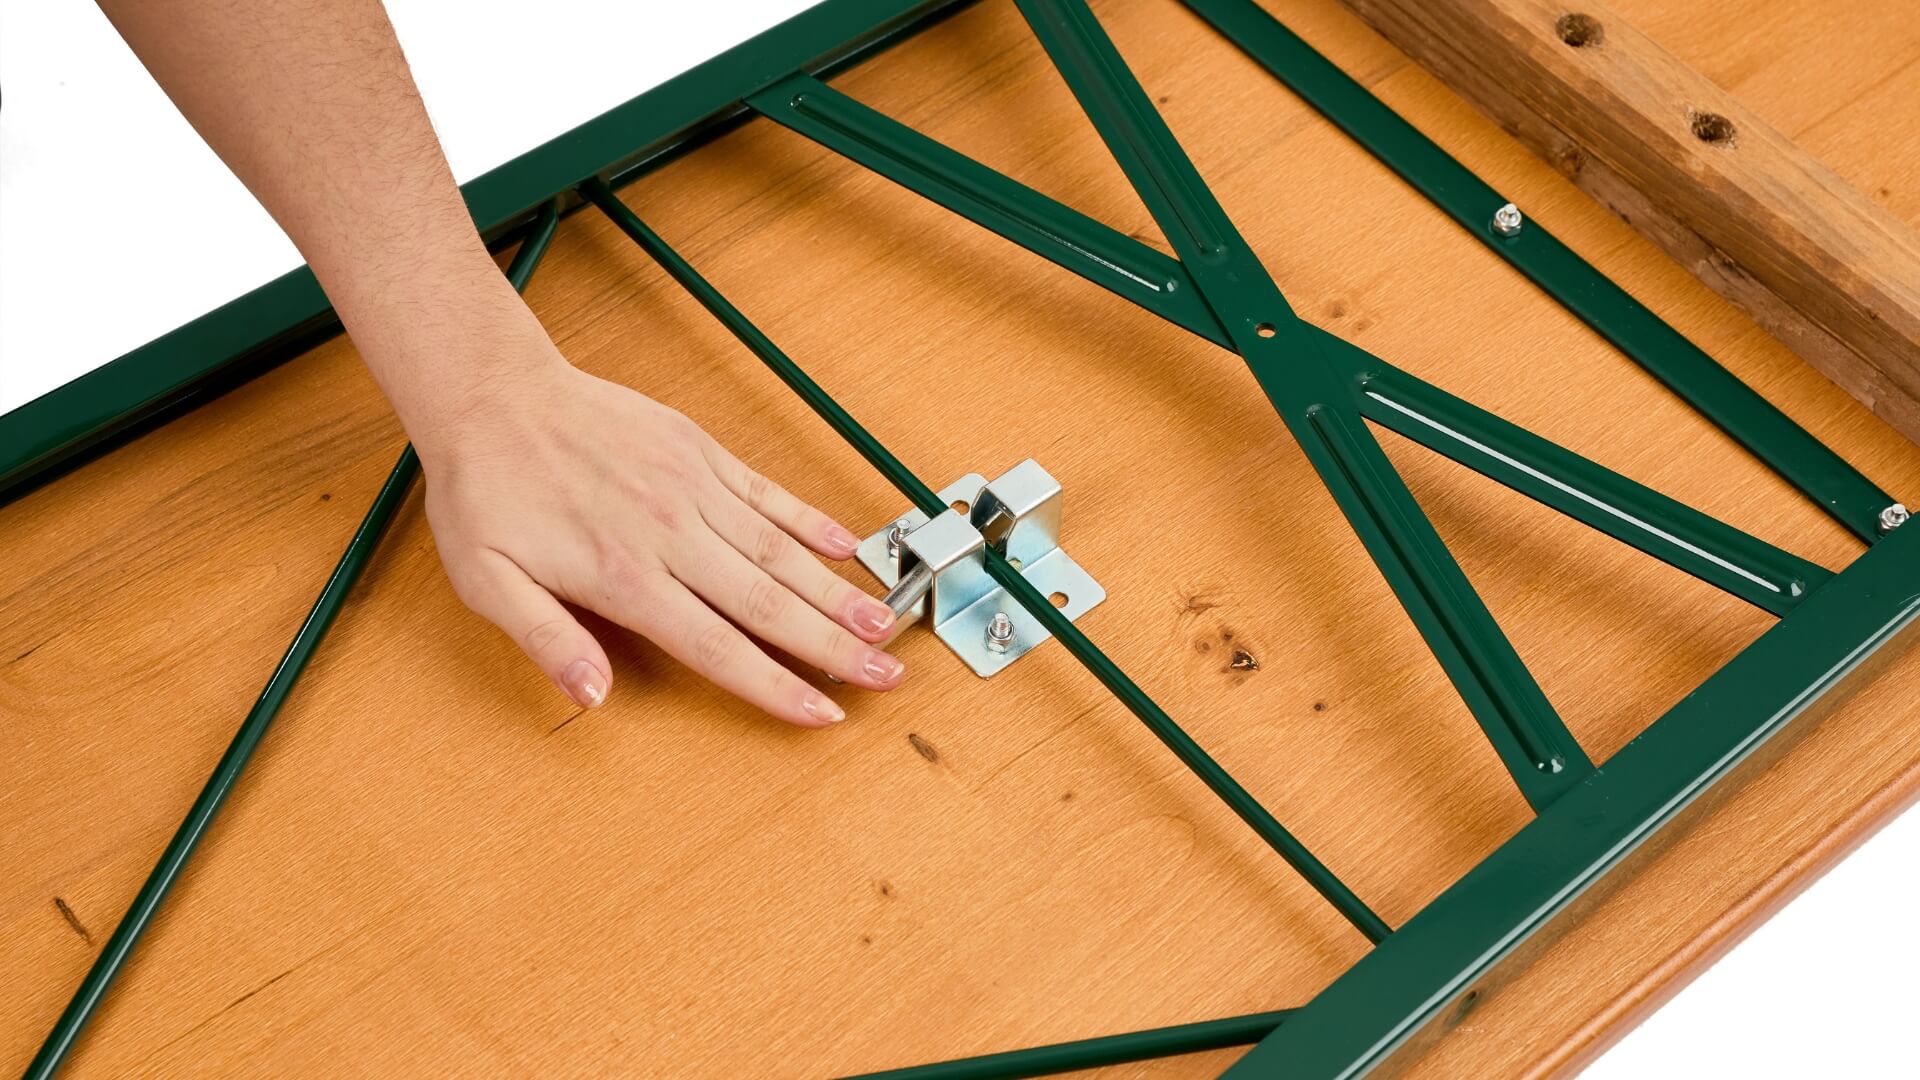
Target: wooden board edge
<point x="1816" y="263"/>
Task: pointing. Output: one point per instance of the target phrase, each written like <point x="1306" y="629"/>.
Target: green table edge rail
<point x="1590" y="819"/>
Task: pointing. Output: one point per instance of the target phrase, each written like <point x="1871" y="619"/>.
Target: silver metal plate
<point x="1055" y="574"/>
<point x="873" y="553"/>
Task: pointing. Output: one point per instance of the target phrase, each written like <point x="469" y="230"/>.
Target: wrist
<point x="460" y="365"/>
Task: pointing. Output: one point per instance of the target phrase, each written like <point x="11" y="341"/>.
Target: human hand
<point x="549" y="484"/>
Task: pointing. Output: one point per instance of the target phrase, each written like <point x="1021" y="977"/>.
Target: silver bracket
<point x="941" y="564"/>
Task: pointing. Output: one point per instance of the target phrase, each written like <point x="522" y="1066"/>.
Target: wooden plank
<point x="1825" y="268"/>
<point x="435" y="866"/>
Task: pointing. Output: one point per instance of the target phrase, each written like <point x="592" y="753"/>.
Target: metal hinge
<point x="939" y="564"/>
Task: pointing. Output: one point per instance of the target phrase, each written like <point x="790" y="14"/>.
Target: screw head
<point x="999" y="632"/>
<point x="1507" y="220"/>
<point x="1893" y="517"/>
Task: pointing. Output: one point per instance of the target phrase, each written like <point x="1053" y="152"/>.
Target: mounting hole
<point x="961" y="506"/>
<point x="1580" y="31"/>
<point x="1711" y="128"/>
<point x="1058" y="599"/>
<point x="1265" y="329"/>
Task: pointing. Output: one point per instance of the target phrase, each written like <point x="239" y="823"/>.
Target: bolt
<point x="1507" y="220"/>
<point x="896" y="536"/>
<point x="1893" y="517"/>
<point x="999" y="632"/>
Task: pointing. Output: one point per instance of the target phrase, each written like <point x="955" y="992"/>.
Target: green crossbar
<point x="1590" y="819"/>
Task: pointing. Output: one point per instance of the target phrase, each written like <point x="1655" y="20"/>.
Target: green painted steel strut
<point x="1772" y="436"/>
<point x="226" y="773"/>
<point x="1176" y="739"/>
<point x="1318" y="405"/>
<point x="1097" y="1053"/>
<point x="1668" y="530"/>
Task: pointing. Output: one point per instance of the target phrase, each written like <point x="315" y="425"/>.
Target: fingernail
<point x="871" y="615"/>
<point x="584" y="684"/>
<point x="883" y="668"/>
<point x="841" y="540"/>
<point x="821" y="707"/>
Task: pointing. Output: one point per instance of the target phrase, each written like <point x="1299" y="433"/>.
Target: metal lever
<point x="904" y="598"/>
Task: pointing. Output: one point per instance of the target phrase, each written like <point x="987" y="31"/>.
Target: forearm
<point x="544" y="484"/>
<point x="311" y="104"/>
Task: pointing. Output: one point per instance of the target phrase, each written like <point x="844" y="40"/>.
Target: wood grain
<point x="1831" y="272"/>
<point x="436" y="866"/>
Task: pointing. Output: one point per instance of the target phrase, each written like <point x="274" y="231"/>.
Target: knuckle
<point x="838" y="597"/>
<point x="766" y="602"/>
<point x="759" y="490"/>
<point x="658" y="507"/>
<point x="536" y="640"/>
<point x="714" y="647"/>
<point x="769" y="547"/>
<point x="846" y="650"/>
<point x="622" y="572"/>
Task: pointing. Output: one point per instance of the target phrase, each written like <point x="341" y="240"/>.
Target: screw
<point x="999" y="632"/>
<point x="1893" y="517"/>
<point x="896" y="536"/>
<point x="1507" y="220"/>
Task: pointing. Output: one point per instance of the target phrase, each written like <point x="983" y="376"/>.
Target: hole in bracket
<point x="1265" y="329"/>
<point x="1058" y="599"/>
<point x="996" y="531"/>
<point x="961" y="506"/>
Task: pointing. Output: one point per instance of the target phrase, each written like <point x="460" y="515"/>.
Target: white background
<point x="117" y="224"/>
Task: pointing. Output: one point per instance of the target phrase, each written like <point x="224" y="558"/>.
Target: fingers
<point x="501" y="593"/>
<point x="770" y="610"/>
<point x="660" y="607"/>
<point x="777" y="553"/>
<point x="802" y="522"/>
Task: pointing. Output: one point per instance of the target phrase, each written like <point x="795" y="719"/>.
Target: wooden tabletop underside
<point x="437" y="865"/>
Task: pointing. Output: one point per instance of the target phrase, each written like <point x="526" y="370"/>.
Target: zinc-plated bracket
<point x="937" y="566"/>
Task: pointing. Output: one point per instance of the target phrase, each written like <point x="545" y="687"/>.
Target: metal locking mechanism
<point x="937" y="568"/>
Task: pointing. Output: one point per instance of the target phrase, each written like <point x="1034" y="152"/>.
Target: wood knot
<point x="1579" y="31"/>
<point x="1711" y="128"/>
<point x="924" y="748"/>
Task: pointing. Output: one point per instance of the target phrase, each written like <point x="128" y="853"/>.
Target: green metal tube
<point x="1083" y="649"/>
<point x="1097" y="1053"/>
<point x="597" y="192"/>
<point x="226" y="774"/>
<point x="1772" y="436"/>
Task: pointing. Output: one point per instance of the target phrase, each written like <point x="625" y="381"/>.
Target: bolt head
<point x="1507" y="220"/>
<point x="1893" y="517"/>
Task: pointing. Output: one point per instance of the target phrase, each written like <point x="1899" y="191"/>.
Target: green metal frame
<point x="1590" y="818"/>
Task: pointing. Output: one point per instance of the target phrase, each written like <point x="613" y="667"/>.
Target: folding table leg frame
<point x="1589" y="818"/>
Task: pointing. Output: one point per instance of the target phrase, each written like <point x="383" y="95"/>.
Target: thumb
<point x="500" y="592"/>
